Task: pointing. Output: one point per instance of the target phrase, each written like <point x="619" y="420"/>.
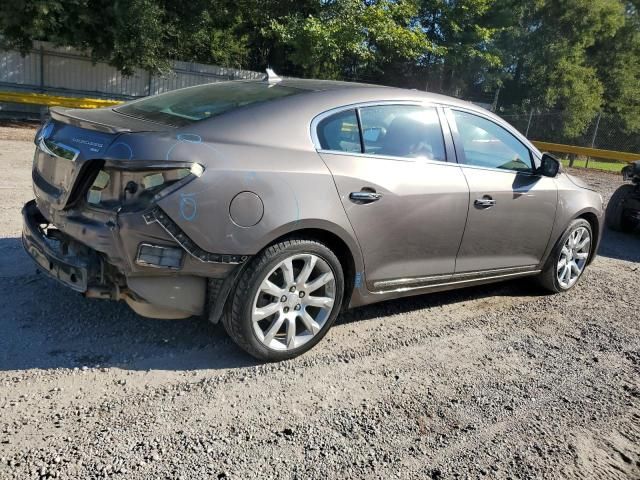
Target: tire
<point x="615" y="210"/>
<point x="550" y="278"/>
<point x="267" y="336"/>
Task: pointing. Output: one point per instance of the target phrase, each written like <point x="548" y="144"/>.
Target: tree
<point x="576" y="57"/>
<point x="547" y="53"/>
<point x="127" y="34"/>
<point x="464" y="32"/>
<point x="618" y="65"/>
<point x="352" y="38"/>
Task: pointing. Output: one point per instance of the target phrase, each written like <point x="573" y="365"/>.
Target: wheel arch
<point x="345" y="253"/>
<point x="593" y="216"/>
<point x="596" y="230"/>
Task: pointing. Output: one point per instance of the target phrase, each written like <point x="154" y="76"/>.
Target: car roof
<point x="289" y="118"/>
<point x="372" y="91"/>
<point x="321" y="85"/>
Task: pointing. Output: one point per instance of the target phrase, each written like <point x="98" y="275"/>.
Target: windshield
<point x="185" y="106"/>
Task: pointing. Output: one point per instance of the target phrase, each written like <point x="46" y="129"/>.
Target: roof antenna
<point x="272" y="78"/>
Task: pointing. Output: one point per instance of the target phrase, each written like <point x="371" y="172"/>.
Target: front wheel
<point x="286" y="300"/>
<point x="568" y="258"/>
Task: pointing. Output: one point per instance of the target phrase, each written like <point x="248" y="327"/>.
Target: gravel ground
<point x="498" y="382"/>
<point x="18" y="131"/>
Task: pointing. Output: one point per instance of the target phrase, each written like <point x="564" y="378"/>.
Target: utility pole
<point x="526" y="134"/>
<point x="593" y="139"/>
<point x="494" y="105"/>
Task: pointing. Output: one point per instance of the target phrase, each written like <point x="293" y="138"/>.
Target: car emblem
<point x="93" y="146"/>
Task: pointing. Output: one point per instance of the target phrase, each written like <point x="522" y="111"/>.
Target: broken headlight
<point x="115" y="188"/>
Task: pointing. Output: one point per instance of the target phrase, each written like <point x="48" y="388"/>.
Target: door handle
<point x="365" y="196"/>
<point x="484" y="202"/>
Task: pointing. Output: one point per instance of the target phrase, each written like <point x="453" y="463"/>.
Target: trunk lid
<point x="70" y="144"/>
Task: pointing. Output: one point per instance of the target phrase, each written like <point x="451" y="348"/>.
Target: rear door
<point x="511" y="209"/>
<point x="406" y="202"/>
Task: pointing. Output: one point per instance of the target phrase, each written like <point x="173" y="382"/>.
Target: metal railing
<point x="605" y="132"/>
<point x="44" y="99"/>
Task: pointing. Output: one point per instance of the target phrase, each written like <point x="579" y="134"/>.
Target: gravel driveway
<point x="499" y="381"/>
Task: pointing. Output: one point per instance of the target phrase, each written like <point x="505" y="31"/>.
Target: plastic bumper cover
<point x="58" y="256"/>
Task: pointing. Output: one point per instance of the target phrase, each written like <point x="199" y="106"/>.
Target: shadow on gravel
<point x="622" y="246"/>
<point x="45" y="325"/>
<point x="513" y="288"/>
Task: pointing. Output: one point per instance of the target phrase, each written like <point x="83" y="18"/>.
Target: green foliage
<point x="550" y="49"/>
<point x="618" y="64"/>
<point x="464" y="32"/>
<point x="146" y="34"/>
<point x="349" y="37"/>
<point x="576" y="56"/>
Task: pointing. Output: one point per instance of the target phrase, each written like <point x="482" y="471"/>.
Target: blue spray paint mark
<point x="358" y="280"/>
<point x="171" y="149"/>
<point x="295" y="199"/>
<point x="124" y="145"/>
<point x="189" y="138"/>
<point x="192" y="138"/>
<point x="188" y="206"/>
<point x="250" y="177"/>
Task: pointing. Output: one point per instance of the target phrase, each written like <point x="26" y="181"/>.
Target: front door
<point x="511" y="209"/>
<point x="406" y="203"/>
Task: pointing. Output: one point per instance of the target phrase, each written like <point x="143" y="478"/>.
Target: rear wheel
<point x="568" y="258"/>
<point x="616" y="217"/>
<point x="286" y="300"/>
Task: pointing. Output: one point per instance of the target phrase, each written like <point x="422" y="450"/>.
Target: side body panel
<point x="516" y="230"/>
<point x="415" y="229"/>
<point x="295" y="189"/>
<point x="513" y="230"/>
<point x="574" y="202"/>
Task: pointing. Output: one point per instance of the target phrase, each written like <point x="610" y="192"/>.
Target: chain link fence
<point x="69" y="72"/>
<point x="605" y="131"/>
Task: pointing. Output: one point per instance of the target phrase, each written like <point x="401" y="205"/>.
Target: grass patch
<point x="595" y="164"/>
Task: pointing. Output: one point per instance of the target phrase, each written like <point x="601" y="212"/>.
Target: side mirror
<point x="549" y="167"/>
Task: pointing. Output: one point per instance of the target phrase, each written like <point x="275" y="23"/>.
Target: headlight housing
<point x="133" y="187"/>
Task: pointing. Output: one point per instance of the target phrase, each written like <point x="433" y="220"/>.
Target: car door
<point x="406" y="202"/>
<point x="511" y="208"/>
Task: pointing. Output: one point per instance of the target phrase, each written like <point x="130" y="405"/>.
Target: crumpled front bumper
<point x="59" y="256"/>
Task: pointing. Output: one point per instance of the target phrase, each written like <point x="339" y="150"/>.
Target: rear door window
<point x="402" y="131"/>
<point x="340" y="132"/>
<point x="409" y="131"/>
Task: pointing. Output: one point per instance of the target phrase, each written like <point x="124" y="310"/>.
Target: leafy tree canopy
<point x="574" y="56"/>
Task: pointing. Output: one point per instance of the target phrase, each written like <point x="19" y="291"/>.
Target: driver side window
<point x="486" y="144"/>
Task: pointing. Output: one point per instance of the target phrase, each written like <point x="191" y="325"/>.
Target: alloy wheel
<point x="573" y="257"/>
<point x="293" y="302"/>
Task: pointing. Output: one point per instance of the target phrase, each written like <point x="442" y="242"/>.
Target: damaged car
<point x="274" y="205"/>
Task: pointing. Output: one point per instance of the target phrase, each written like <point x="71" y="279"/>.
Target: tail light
<point x="115" y="188"/>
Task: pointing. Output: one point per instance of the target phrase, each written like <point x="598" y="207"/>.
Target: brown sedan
<point x="273" y="205"/>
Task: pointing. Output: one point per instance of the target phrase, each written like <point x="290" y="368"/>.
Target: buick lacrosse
<point x="273" y="205"/>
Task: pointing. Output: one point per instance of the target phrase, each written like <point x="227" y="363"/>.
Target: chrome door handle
<point x="484" y="202"/>
<point x="365" y="197"/>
